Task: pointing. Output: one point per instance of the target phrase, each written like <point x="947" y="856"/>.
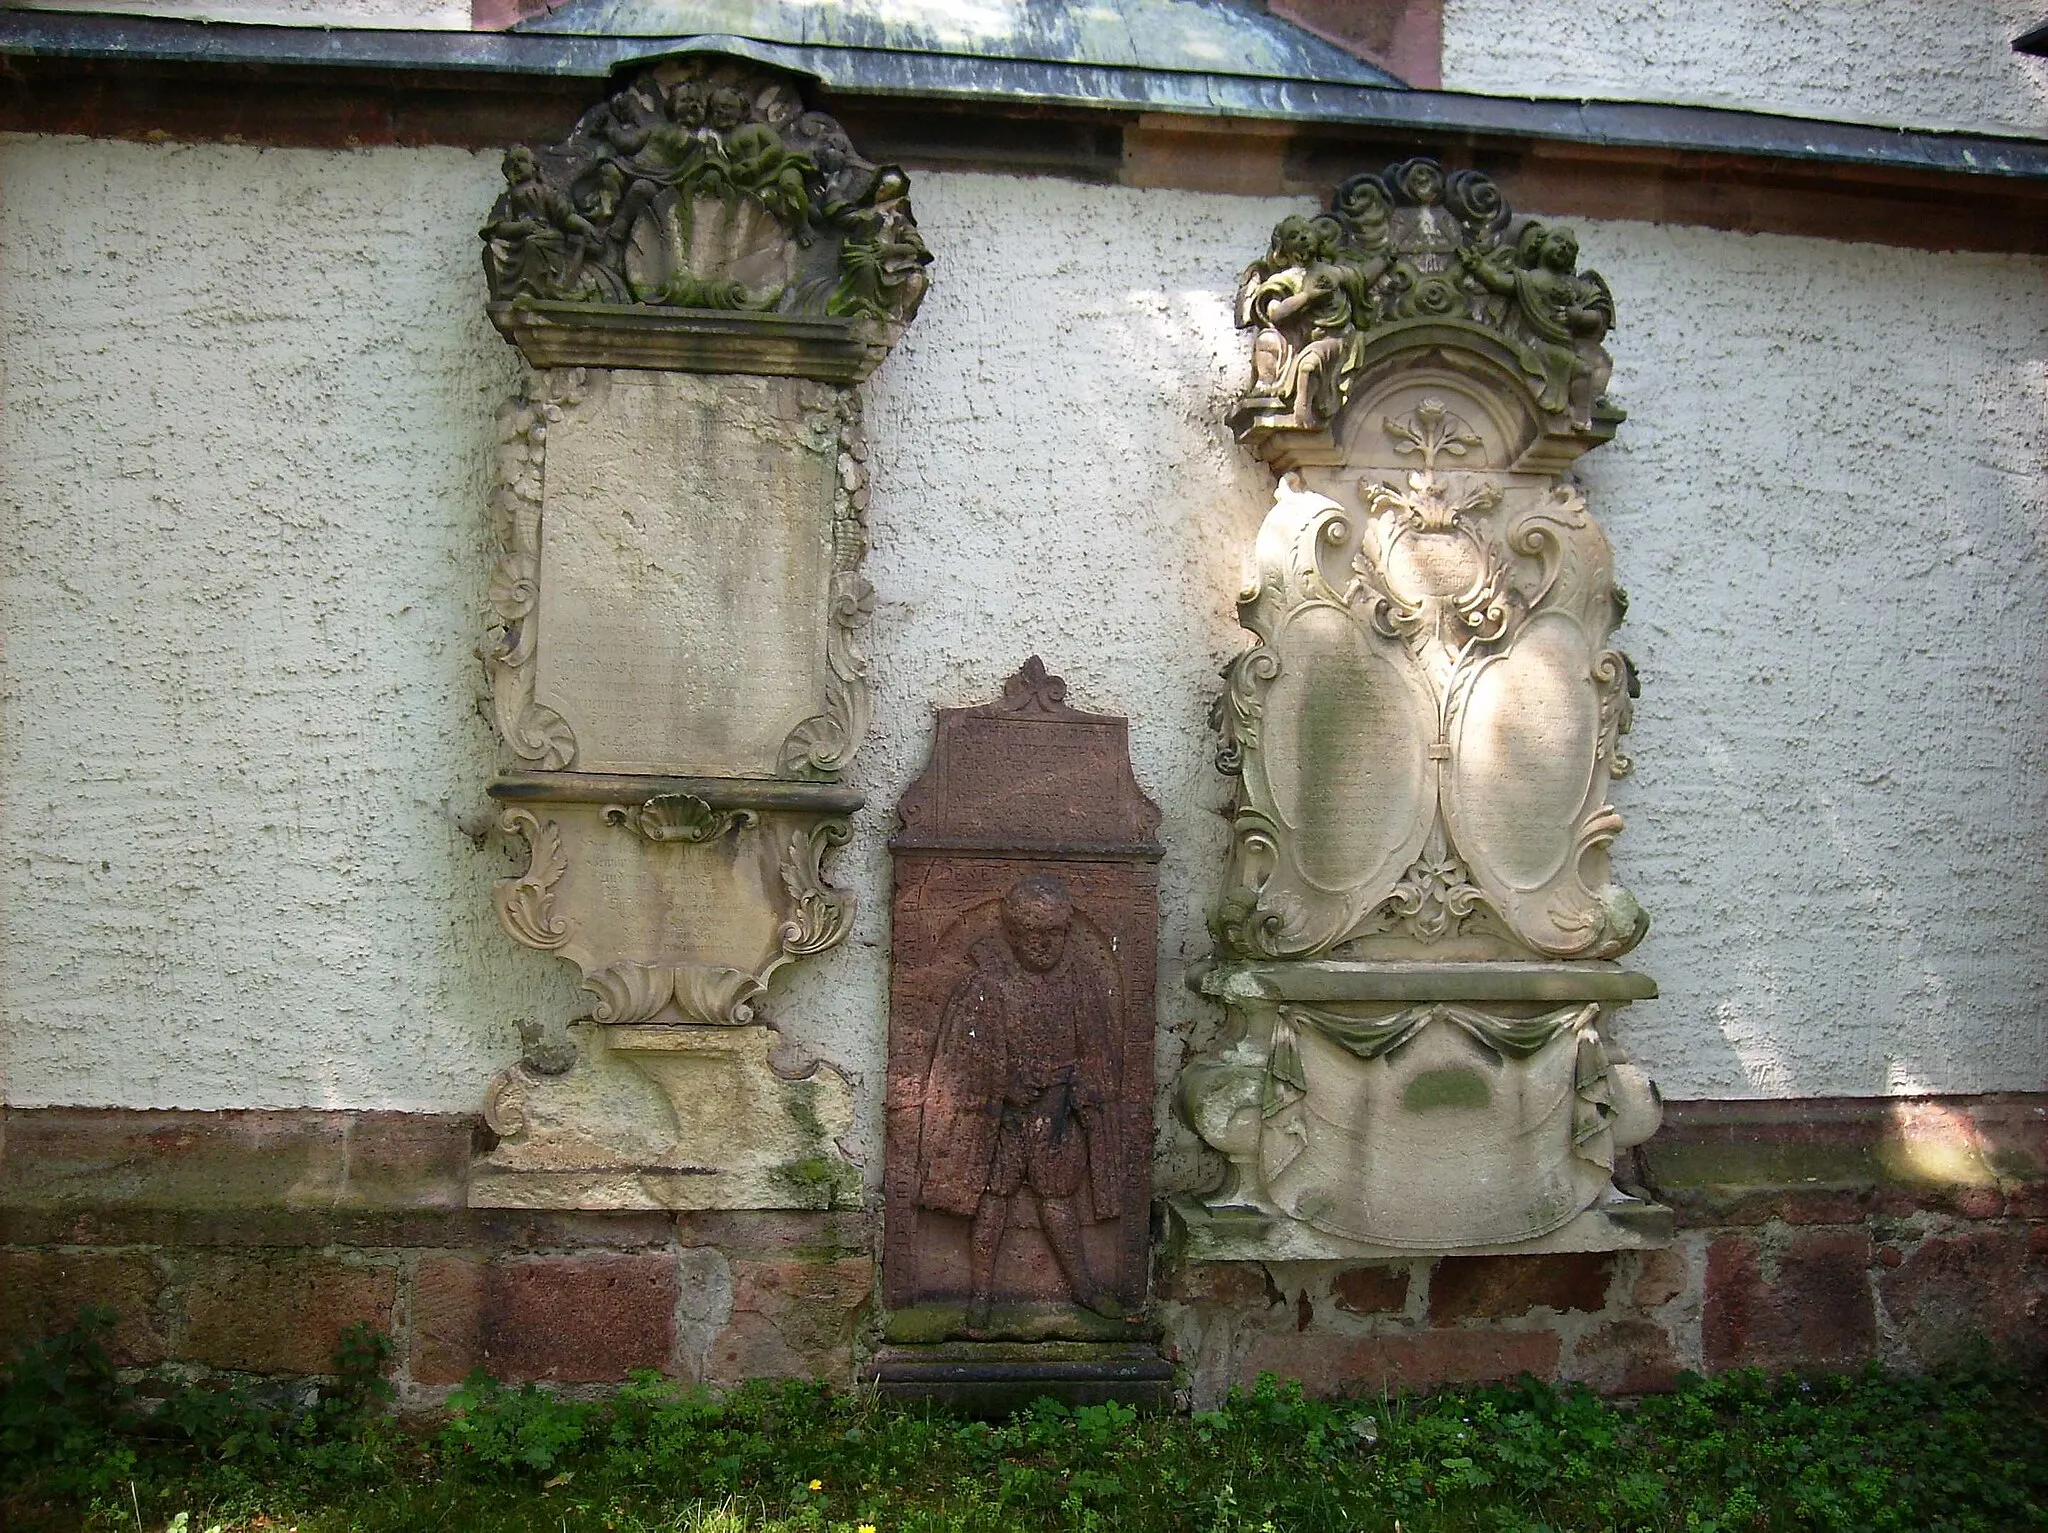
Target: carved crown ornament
<point x="702" y="217"/>
<point x="1416" y="934"/>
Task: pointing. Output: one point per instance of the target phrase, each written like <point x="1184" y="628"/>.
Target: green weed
<point x="1963" y="1452"/>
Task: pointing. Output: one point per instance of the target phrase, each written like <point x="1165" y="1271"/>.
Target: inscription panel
<point x="686" y="562"/>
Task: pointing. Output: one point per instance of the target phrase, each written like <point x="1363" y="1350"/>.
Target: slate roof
<point x="1198" y="37"/>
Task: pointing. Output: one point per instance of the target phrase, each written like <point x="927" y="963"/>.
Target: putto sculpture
<point x="1410" y="243"/>
<point x="1416" y="935"/>
<point x="704" y="186"/>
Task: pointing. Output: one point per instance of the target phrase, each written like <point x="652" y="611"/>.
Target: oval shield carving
<point x="1526" y="738"/>
<point x="1347" y="755"/>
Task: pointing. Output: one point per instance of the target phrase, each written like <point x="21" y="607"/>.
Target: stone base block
<point x="1204" y="1234"/>
<point x="997" y="1378"/>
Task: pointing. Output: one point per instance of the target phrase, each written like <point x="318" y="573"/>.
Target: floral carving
<point x="1436" y="897"/>
<point x="535" y="733"/>
<point x="678" y="817"/>
<point x="526" y="904"/>
<point x="1409" y="243"/>
<point x="707" y="185"/>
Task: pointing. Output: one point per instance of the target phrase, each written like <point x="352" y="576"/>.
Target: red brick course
<point x="1411" y="1360"/>
<point x="42" y="1292"/>
<point x="1500" y="1287"/>
<point x="583" y="1319"/>
<point x="1371" y="1290"/>
<point x="1800" y="1301"/>
<point x="275" y="1312"/>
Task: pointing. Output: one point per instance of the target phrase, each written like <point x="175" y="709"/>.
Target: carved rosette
<point x="700" y="273"/>
<point x="1417" y="928"/>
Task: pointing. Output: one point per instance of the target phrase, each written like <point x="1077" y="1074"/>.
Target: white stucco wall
<point x="1906" y="63"/>
<point x="426" y="15"/>
<point x="245" y="418"/>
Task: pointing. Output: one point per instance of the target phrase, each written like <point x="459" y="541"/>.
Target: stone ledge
<point x="1329" y="979"/>
<point x="550" y="334"/>
<point x="1840" y="1159"/>
<point x="1202" y="1234"/>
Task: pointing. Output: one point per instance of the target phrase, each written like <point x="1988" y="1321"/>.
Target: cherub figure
<point x="763" y="167"/>
<point x="1560" y="313"/>
<point x="883" y="259"/>
<point x="1309" y="306"/>
<point x="537" y="245"/>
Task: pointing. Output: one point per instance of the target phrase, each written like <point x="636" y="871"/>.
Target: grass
<point x="1965" y="1450"/>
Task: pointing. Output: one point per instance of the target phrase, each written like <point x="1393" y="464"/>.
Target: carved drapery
<point x="1424" y="733"/>
<point x="700" y="273"/>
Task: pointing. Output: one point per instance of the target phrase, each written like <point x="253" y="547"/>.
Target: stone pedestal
<point x="1020" y="1048"/>
<point x="701" y="275"/>
<point x="1418" y="932"/>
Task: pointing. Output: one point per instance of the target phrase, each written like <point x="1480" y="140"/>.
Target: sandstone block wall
<point x="1814" y="1238"/>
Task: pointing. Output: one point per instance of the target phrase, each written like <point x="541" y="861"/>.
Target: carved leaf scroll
<point x="526" y="904"/>
<point x="535" y="733"/>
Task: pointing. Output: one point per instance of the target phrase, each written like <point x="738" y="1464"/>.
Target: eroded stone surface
<point x="686" y="567"/>
<point x="673" y="665"/>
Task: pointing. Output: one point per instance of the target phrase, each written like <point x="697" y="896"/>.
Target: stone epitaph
<point x="1020" y="1058"/>
<point x="699" y="275"/>
<point x="1417" y="939"/>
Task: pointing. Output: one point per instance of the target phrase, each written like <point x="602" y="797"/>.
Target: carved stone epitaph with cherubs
<point x="699" y="275"/>
<point x="1020" y="1029"/>
<point x="1417" y="934"/>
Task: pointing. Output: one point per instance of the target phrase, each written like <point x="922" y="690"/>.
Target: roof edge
<point x="1610" y="124"/>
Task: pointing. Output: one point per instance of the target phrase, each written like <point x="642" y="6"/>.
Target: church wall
<point x="1903" y="63"/>
<point x="246" y="419"/>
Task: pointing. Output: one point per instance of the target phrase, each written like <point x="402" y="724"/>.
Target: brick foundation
<point x="1813" y="1234"/>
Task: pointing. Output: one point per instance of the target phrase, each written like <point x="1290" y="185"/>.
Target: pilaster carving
<point x="700" y="273"/>
<point x="1424" y="733"/>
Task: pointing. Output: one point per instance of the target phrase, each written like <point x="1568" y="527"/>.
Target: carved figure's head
<point x="727" y="110"/>
<point x="519" y="165"/>
<point x="1036" y="915"/>
<point x="1296" y="241"/>
<point x="686" y="104"/>
<point x="1560" y="251"/>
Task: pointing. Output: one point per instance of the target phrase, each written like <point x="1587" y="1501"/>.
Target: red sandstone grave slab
<point x="1019" y="1100"/>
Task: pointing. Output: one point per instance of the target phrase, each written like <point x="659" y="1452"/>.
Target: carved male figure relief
<point x="1021" y="1093"/>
